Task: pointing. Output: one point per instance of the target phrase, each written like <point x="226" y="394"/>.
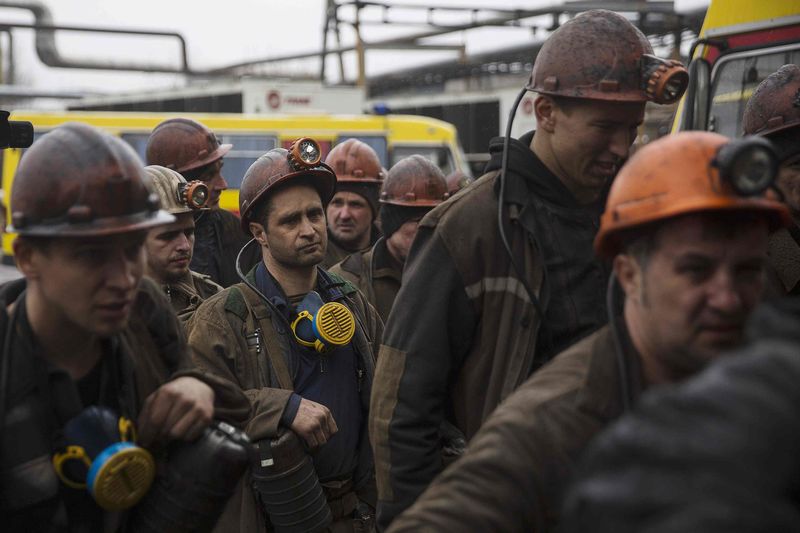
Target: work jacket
<point x="150" y="351"/>
<point x="188" y="293"/>
<point x="236" y="335"/>
<point x="718" y="453"/>
<point x="463" y="332"/>
<point x="517" y="467"/>
<point x="375" y="273"/>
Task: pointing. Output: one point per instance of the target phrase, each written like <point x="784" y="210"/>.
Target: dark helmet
<point x="775" y="104"/>
<point x="183" y="144"/>
<point x="414" y="182"/>
<point x="278" y="166"/>
<point x="80" y="181"/>
<point x="600" y="55"/>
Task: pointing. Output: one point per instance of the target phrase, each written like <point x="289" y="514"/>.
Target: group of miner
<point x="364" y="349"/>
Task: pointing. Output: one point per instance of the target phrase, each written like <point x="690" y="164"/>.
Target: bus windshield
<point x="736" y="77"/>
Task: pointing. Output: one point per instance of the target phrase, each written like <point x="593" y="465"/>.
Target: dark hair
<point x="641" y="242"/>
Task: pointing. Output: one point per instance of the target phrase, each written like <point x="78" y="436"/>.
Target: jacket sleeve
<point x="516" y="466"/>
<point x="230" y="405"/>
<point x="426" y="339"/>
<point x="719" y="453"/>
<point x="217" y="349"/>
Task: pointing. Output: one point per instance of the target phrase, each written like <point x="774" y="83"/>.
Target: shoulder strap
<point x="257" y="311"/>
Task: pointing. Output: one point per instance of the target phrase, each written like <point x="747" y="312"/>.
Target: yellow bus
<point x="741" y="43"/>
<point x="392" y="136"/>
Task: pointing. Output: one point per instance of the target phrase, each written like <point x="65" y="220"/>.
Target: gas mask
<point x="103" y="458"/>
<point x="322" y="326"/>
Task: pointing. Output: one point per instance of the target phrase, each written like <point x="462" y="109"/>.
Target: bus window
<point x="438" y="155"/>
<point x="736" y="76"/>
<point x="246" y="149"/>
<point x="376" y="142"/>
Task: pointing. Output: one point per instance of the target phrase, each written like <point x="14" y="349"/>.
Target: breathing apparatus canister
<point x="103" y="458"/>
<point x="322" y="326"/>
<point x="199" y="478"/>
<point x="287" y="486"/>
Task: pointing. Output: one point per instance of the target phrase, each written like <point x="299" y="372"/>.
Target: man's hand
<point x="180" y="409"/>
<point x="313" y="423"/>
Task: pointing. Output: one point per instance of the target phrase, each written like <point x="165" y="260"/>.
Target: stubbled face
<point x="789" y="184"/>
<point x="589" y="142"/>
<point x="295" y="235"/>
<point x="88" y="283"/>
<point x="399" y="243"/>
<point x="211" y="175"/>
<point x="698" y="288"/>
<point x="169" y="249"/>
<point x="350" y="220"/>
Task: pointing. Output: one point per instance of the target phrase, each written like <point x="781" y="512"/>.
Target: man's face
<point x="295" y="235"/>
<point x="87" y="283"/>
<point x="350" y="220"/>
<point x="399" y="243"/>
<point x="695" y="292"/>
<point x="169" y="249"/>
<point x="588" y="143"/>
<point x="211" y="175"/>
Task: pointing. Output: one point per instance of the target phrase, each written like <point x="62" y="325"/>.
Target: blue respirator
<point x="103" y="458"/>
<point x="322" y="326"/>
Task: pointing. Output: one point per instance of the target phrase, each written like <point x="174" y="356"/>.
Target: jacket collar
<point x="602" y="390"/>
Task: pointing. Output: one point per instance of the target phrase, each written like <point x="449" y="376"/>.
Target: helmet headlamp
<point x="664" y="80"/>
<point x="305" y="153"/>
<point x="750" y="165"/>
<point x="193" y="194"/>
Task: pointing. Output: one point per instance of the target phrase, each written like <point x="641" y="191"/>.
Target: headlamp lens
<point x="200" y="196"/>
<point x="305" y="153"/>
<point x="749" y="164"/>
<point x="194" y="194"/>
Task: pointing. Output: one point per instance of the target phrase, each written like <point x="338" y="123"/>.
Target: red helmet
<point x="414" y="182"/>
<point x="600" y="55"/>
<point x="279" y="166"/>
<point x="80" y="181"/>
<point x="775" y="104"/>
<point x="356" y="161"/>
<point x="183" y="144"/>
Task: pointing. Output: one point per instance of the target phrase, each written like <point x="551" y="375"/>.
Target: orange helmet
<point x="79" y="181"/>
<point x="685" y="173"/>
<point x="280" y="165"/>
<point x="600" y="55"/>
<point x="356" y="161"/>
<point x="775" y="104"/>
<point x="183" y="144"/>
<point x="414" y="182"/>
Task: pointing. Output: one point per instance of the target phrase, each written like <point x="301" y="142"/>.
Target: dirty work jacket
<point x="150" y="351"/>
<point x="516" y="468"/>
<point x="718" y="453"/>
<point x="462" y="337"/>
<point x="375" y="273"/>
<point x="218" y="237"/>
<point x="222" y="335"/>
<point x="189" y="292"/>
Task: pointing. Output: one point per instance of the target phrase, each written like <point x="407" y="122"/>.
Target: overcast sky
<point x="225" y="32"/>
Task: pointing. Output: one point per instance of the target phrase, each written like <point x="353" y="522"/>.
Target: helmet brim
<point x="98" y="227"/>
